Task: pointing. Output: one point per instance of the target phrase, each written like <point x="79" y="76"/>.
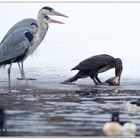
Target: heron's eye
<point x="51" y="10"/>
<point x="46" y="17"/>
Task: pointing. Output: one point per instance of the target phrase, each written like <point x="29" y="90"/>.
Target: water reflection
<point x="96" y="92"/>
<point x="89" y="94"/>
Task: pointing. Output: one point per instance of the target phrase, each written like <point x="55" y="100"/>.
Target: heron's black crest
<point x="48" y="8"/>
<point x="29" y="36"/>
<point x="34" y="24"/>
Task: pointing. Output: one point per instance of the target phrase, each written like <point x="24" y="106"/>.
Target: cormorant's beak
<point x="116" y="80"/>
<point x="59" y="14"/>
<point x="55" y="21"/>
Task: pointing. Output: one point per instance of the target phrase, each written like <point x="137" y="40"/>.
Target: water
<point x="45" y="107"/>
<point x="48" y="108"/>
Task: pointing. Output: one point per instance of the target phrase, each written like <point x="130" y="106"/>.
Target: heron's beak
<point x="59" y="14"/>
<point x="56" y="21"/>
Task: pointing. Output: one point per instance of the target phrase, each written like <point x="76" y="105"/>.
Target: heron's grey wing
<point x="94" y="62"/>
<point x="25" y="23"/>
<point x="13" y="46"/>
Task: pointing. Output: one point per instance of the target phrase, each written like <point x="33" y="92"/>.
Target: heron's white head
<point x="50" y="11"/>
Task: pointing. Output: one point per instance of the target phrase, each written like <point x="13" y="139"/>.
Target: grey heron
<point x="14" y="48"/>
<point x="39" y="29"/>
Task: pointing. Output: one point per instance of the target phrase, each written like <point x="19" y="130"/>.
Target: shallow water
<point x="48" y="108"/>
<point x="45" y="107"/>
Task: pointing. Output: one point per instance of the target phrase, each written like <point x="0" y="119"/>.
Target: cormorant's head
<point x="50" y="11"/>
<point x="115" y="117"/>
<point x="118" y="71"/>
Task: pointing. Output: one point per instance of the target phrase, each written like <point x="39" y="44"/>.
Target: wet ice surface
<point x="48" y="108"/>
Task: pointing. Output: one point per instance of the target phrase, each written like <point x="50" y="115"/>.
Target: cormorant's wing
<point x="94" y="62"/>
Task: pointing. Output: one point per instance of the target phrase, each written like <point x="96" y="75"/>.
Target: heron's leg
<point x="20" y="70"/>
<point x="96" y="77"/>
<point x="23" y="73"/>
<point x="9" y="78"/>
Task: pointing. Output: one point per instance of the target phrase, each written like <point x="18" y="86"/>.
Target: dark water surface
<point x="46" y="108"/>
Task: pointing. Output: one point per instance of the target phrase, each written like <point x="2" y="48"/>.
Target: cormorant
<point x="94" y="65"/>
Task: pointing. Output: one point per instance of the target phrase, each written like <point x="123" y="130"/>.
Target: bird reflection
<point x="117" y="91"/>
<point x="89" y="93"/>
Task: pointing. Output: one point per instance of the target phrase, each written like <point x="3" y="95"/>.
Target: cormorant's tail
<point x="70" y="80"/>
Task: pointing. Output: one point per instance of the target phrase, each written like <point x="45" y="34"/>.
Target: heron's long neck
<point x="41" y="32"/>
<point x="42" y="28"/>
